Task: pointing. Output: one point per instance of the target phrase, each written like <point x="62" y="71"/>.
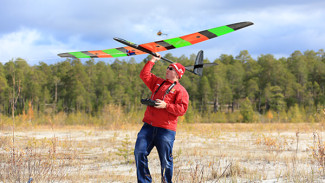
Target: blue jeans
<point x="163" y="139"/>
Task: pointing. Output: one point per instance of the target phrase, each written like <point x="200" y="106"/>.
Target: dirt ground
<point x="202" y="153"/>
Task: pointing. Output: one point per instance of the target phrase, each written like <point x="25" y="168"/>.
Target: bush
<point x="246" y="111"/>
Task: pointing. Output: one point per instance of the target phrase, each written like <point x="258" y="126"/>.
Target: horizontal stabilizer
<point x="191" y="67"/>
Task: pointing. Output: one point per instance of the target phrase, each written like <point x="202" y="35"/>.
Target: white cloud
<point x="17" y="44"/>
<point x="29" y="44"/>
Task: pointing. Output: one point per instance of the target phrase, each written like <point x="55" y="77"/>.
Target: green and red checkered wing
<point x="162" y="45"/>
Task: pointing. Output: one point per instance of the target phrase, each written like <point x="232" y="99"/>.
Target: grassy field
<point x="270" y="152"/>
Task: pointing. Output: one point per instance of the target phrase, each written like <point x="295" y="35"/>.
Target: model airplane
<point x="159" y="33"/>
<point x="151" y="48"/>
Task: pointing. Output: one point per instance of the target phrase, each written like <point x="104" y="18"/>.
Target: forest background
<point x="239" y="89"/>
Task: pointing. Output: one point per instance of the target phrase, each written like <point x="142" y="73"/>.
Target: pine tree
<point x="126" y="151"/>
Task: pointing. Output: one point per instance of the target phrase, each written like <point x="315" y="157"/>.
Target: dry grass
<point x="202" y="153"/>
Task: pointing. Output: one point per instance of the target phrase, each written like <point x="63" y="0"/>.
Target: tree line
<point x="237" y="83"/>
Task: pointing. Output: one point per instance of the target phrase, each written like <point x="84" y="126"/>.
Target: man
<point x="160" y="121"/>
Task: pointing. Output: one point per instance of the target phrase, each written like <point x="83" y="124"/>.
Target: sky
<point x="37" y="30"/>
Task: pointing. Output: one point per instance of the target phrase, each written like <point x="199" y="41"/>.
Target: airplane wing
<point x="162" y="45"/>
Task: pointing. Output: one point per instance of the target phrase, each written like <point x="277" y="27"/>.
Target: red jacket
<point x="176" y="99"/>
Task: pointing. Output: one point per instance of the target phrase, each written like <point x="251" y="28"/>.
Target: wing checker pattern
<point x="162" y="45"/>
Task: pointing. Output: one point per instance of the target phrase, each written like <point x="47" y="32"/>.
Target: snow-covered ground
<point x="213" y="153"/>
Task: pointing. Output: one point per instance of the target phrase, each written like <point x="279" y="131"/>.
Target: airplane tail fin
<point x="198" y="65"/>
<point x="197" y="68"/>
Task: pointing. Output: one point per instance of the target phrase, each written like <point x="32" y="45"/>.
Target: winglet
<point x="66" y="55"/>
<point x="240" y="25"/>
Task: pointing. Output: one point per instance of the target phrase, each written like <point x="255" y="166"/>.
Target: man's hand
<point x="154" y="59"/>
<point x="160" y="104"/>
